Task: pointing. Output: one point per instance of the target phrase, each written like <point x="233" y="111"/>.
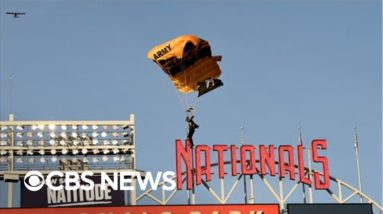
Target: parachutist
<point x="191" y="129"/>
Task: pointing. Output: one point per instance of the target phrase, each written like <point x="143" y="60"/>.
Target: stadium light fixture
<point x="31" y="160"/>
<point x="54" y="159"/>
<point x="95" y="160"/>
<point x="84" y="151"/>
<point x="40" y="134"/>
<point x="52" y="135"/>
<point x="105" y="151"/>
<point x="104" y="134"/>
<point x="96" y="151"/>
<point x="19" y="160"/>
<point x="3" y="160"/>
<point x="85" y="160"/>
<point x="52" y="127"/>
<point x="116" y="151"/>
<point x="74" y="134"/>
<point x="64" y="151"/>
<point x="63" y="135"/>
<point x="85" y="142"/>
<point x="42" y="160"/>
<point x="95" y="134"/>
<point x="53" y="151"/>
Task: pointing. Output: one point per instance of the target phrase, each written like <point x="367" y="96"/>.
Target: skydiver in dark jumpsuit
<point x="191" y="127"/>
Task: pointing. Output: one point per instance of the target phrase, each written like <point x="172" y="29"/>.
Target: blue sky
<point x="286" y="64"/>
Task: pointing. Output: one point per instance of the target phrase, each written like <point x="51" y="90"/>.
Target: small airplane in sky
<point x="15" y="14"/>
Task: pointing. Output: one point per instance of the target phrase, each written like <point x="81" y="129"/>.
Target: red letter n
<point x="183" y="153"/>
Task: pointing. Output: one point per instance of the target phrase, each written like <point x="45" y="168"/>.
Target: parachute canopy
<point x="188" y="62"/>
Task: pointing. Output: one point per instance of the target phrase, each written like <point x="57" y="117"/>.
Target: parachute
<point x="188" y="62"/>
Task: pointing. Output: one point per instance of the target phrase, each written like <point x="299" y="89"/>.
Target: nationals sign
<point x="170" y="209"/>
<point x="252" y="160"/>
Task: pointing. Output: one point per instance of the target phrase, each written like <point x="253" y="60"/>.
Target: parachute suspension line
<point x="190" y="101"/>
<point x="185" y="96"/>
<point x="182" y="101"/>
<point x="195" y="100"/>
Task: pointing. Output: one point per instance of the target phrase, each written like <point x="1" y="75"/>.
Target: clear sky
<point x="286" y="64"/>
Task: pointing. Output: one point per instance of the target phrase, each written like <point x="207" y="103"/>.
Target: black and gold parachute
<point x="188" y="62"/>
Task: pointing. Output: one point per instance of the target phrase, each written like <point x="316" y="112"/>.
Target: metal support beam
<point x="281" y="197"/>
<point x="10" y="165"/>
<point x="252" y="196"/>
<point x="356" y="147"/>
<point x="10" y="195"/>
<point x="311" y="199"/>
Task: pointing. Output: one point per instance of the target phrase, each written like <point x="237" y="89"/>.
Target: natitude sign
<point x="63" y="198"/>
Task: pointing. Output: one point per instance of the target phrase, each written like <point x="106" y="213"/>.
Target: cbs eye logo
<point x="34" y="180"/>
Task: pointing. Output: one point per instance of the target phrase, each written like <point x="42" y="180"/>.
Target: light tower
<point x="46" y="146"/>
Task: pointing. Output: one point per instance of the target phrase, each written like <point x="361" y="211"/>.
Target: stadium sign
<point x="248" y="158"/>
<point x="158" y="209"/>
<point x="96" y="196"/>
